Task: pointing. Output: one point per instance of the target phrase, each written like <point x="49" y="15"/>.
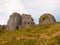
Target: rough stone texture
<point x="14" y="21"/>
<point x="17" y="21"/>
<point x="46" y="19"/>
<point x="27" y="20"/>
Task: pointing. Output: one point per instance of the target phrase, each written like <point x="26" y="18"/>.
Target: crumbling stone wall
<point x="27" y="20"/>
<point x="17" y="21"/>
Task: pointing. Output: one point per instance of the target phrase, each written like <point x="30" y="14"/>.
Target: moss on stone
<point x="43" y="17"/>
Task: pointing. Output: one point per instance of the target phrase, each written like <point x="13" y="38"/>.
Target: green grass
<point x="22" y="42"/>
<point x="34" y="35"/>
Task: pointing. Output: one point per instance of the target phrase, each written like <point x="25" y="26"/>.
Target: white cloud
<point x="42" y="4"/>
<point x="1" y="9"/>
<point x="35" y="7"/>
<point x="9" y="6"/>
<point x="38" y="7"/>
<point x="14" y="5"/>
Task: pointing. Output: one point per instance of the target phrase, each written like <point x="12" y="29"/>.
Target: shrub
<point x="2" y="29"/>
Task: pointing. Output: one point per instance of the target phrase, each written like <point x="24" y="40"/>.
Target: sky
<point x="34" y="7"/>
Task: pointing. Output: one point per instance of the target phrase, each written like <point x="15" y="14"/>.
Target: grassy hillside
<point x="34" y="35"/>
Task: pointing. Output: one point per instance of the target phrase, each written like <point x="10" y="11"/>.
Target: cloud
<point x="14" y="5"/>
<point x="9" y="6"/>
<point x="44" y="5"/>
<point x="38" y="7"/>
<point x="34" y="7"/>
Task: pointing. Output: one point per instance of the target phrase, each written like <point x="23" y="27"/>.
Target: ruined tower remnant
<point x="17" y="21"/>
<point x="14" y="21"/>
<point x="46" y="19"/>
<point x="27" y="20"/>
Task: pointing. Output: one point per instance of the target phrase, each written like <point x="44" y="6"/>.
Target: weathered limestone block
<point x="14" y="21"/>
<point x="46" y="19"/>
<point x="27" y="20"/>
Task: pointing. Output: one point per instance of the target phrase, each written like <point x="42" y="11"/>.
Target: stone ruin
<point x="14" y="21"/>
<point x="27" y="20"/>
<point x="46" y="19"/>
<point x="17" y="21"/>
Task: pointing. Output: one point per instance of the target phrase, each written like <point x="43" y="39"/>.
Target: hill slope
<point x="35" y="35"/>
